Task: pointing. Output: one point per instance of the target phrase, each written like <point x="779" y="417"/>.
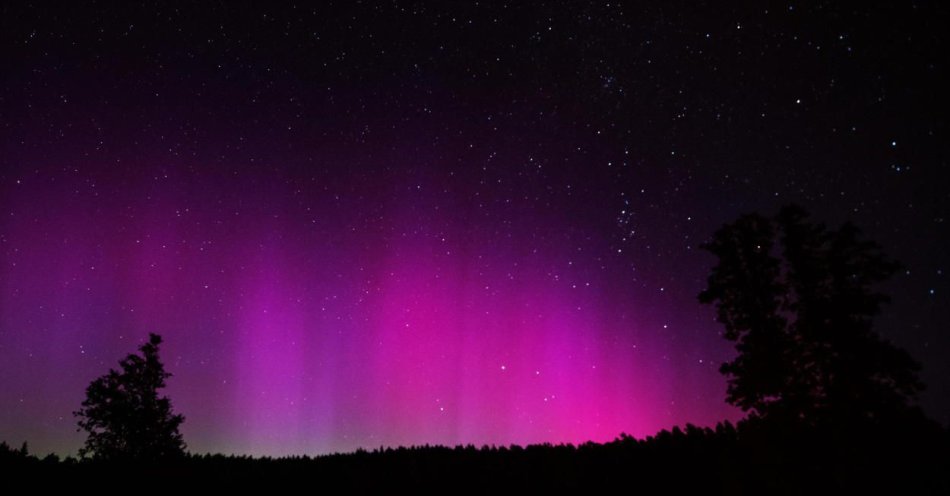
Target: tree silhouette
<point x="798" y="300"/>
<point x="124" y="416"/>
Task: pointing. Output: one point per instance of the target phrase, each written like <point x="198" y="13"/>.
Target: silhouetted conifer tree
<point x="124" y="416"/>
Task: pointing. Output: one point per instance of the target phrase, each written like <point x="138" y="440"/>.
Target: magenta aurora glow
<point x="299" y="323"/>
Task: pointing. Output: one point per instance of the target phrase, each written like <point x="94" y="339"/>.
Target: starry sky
<point x="364" y="224"/>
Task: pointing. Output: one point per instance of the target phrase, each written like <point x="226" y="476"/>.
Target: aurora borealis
<point x="358" y="226"/>
<point x="298" y="320"/>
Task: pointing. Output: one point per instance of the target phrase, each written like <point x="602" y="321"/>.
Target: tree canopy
<point x="798" y="300"/>
<point x="125" y="417"/>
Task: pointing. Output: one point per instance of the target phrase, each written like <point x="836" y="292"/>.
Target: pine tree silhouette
<point x="124" y="416"/>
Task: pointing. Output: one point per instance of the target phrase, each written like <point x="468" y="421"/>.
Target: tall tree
<point x="125" y="417"/>
<point x="798" y="299"/>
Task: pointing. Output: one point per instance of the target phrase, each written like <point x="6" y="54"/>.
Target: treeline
<point x="753" y="458"/>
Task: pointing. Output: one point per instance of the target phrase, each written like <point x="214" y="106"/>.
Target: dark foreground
<point x="750" y="459"/>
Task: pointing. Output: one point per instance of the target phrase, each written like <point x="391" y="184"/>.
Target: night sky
<point x="359" y="225"/>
